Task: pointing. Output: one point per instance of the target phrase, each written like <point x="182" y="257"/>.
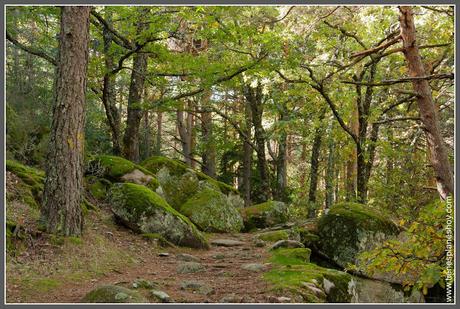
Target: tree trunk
<point x="330" y="169"/>
<point x="63" y="192"/>
<point x="254" y="98"/>
<point x="108" y="93"/>
<point x="314" y="166"/>
<point x="159" y="133"/>
<point x="352" y="164"/>
<point x="209" y="152"/>
<point x="185" y="137"/>
<point x="247" y="156"/>
<point x="281" y="160"/>
<point x="136" y="88"/>
<point x="428" y="114"/>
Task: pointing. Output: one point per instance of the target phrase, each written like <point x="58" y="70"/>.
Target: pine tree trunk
<point x="428" y="114"/>
<point x="108" y="92"/>
<point x="247" y="156"/>
<point x="136" y="89"/>
<point x="330" y="169"/>
<point x="209" y="152"/>
<point x="63" y="192"/>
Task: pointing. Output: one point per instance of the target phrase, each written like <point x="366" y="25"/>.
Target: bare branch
<point x="402" y="80"/>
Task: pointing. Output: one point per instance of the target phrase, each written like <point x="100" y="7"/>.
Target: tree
<point x="428" y="114"/>
<point x="62" y="197"/>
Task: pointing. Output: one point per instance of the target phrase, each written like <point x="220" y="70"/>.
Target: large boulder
<point x="211" y="211"/>
<point x="375" y="291"/>
<point x="177" y="168"/>
<point x="177" y="189"/>
<point x="144" y="211"/>
<point x="113" y="294"/>
<point x="117" y="169"/>
<point x="350" y="228"/>
<point x="264" y="215"/>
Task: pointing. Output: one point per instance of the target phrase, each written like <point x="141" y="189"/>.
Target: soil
<point x="223" y="272"/>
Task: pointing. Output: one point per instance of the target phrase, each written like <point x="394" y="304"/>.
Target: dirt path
<point x="222" y="274"/>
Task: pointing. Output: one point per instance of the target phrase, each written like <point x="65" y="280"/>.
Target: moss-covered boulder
<point x="117" y="169"/>
<point x="144" y="211"/>
<point x="350" y="228"/>
<point x="264" y="215"/>
<point x="211" y="211"/>
<point x="292" y="273"/>
<point x="177" y="189"/>
<point x="177" y="168"/>
<point x="113" y="294"/>
<point x="97" y="187"/>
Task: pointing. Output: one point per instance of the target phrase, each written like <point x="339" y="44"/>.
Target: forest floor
<point x="58" y="270"/>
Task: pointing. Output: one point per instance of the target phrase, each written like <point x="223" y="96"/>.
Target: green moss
<point x="307" y="237"/>
<point x="177" y="189"/>
<point x="30" y="190"/>
<point x="144" y="211"/>
<point x="177" y="168"/>
<point x="291" y="271"/>
<point x="113" y="168"/>
<point x="98" y="187"/>
<point x="349" y="228"/>
<point x="31" y="176"/>
<point x="273" y="235"/>
<point x="113" y="294"/>
<point x="264" y="215"/>
<point x="155" y="163"/>
<point x="295" y="256"/>
<point x="46" y="284"/>
<point x="74" y="240"/>
<point x="211" y="211"/>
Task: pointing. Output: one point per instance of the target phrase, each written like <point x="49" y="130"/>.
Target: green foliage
<point x="418" y="255"/>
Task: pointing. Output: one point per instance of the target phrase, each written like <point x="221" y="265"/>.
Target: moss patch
<point x="144" y="211"/>
<point x="211" y="211"/>
<point x="273" y="235"/>
<point x="292" y="273"/>
<point x="113" y="168"/>
<point x="30" y="189"/>
<point x="350" y="228"/>
<point x="178" y="168"/>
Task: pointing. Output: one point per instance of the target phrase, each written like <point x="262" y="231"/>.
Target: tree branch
<point x="397" y="119"/>
<point x="124" y="41"/>
<point x="378" y="48"/>
<point x="402" y="80"/>
<point x="31" y="50"/>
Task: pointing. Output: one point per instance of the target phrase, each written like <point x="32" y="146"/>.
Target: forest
<point x="229" y="154"/>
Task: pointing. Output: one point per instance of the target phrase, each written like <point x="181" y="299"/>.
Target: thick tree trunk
<point x="352" y="162"/>
<point x="428" y="114"/>
<point x="136" y="88"/>
<point x="281" y="160"/>
<point x="247" y="156"/>
<point x="63" y="192"/>
<point x="147" y="143"/>
<point x="108" y="93"/>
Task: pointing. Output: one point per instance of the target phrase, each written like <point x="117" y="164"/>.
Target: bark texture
<point x="428" y="113"/>
<point x="63" y="192"/>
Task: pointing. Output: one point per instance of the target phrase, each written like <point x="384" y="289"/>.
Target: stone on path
<point x="160" y="295"/>
<point x="196" y="286"/>
<point x="230" y="298"/>
<point x="227" y="242"/>
<point x="163" y="254"/>
<point x="190" y="267"/>
<point x="287" y="244"/>
<point x="187" y="257"/>
<point x="253" y="267"/>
